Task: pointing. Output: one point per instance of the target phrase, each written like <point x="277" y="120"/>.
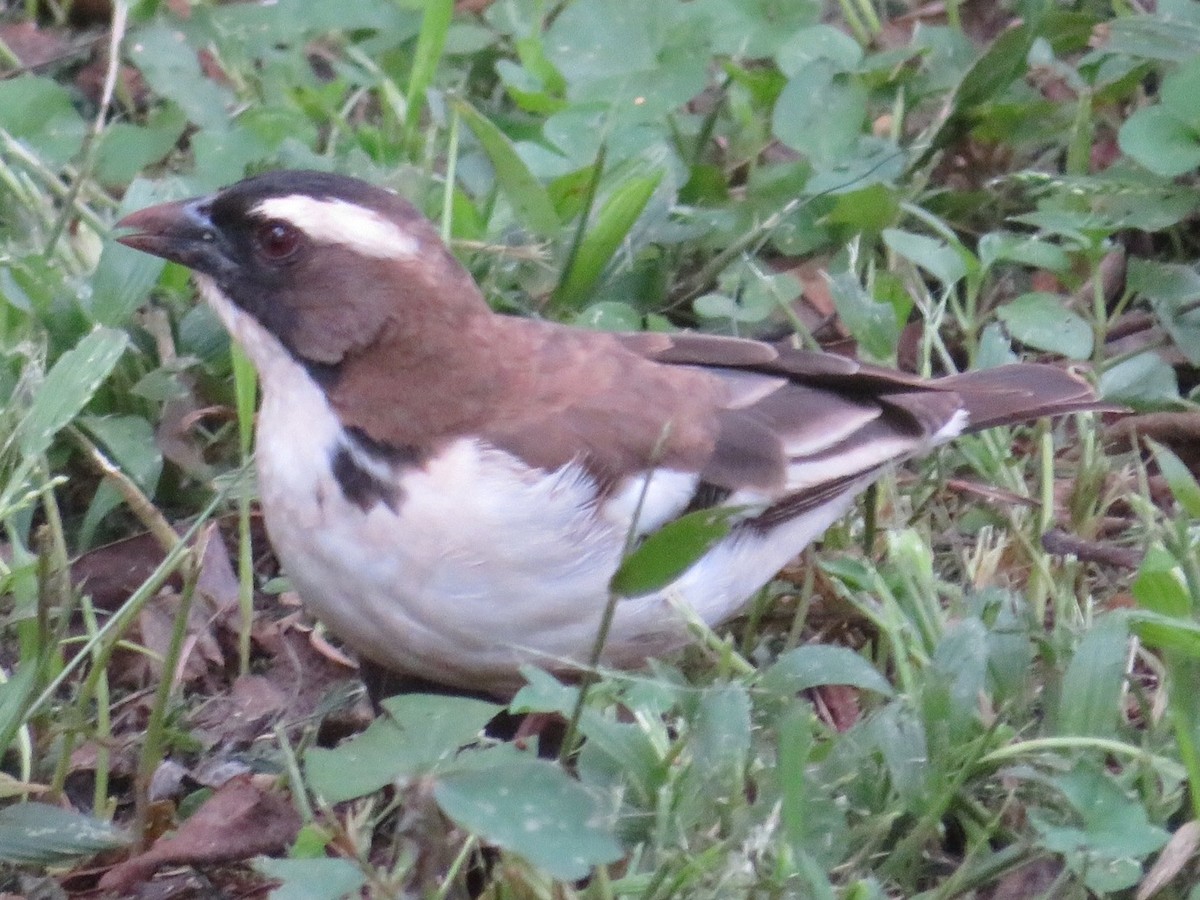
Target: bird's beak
<point x="181" y="231"/>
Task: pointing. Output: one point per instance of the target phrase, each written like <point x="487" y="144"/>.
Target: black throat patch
<point x="368" y="472"/>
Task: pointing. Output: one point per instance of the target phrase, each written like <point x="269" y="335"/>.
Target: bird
<point x="450" y="490"/>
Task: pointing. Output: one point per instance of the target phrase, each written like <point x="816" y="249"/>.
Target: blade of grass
<point x="152" y="747"/>
<point x="612" y="226"/>
<point x="435" y="25"/>
<point x="530" y="201"/>
<point x="245" y="384"/>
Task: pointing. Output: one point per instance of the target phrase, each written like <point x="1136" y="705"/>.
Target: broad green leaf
<point x="1091" y="686"/>
<point x="1171" y="283"/>
<point x="1114" y="833"/>
<point x="1179" y="91"/>
<point x="69" y="385"/>
<point x="1027" y="250"/>
<point x="124" y="276"/>
<point x="130" y="443"/>
<point x="1044" y="322"/>
<point x="1143" y="380"/>
<point x="1173" y="290"/>
<point x="620" y="756"/>
<point x="419" y="733"/>
<point x="821" y="112"/>
<point x="1153" y="37"/>
<point x="39" y="113"/>
<point x="531" y="807"/>
<point x="312" y="879"/>
<point x="954" y="684"/>
<point x="669" y="552"/>
<point x="170" y="66"/>
<point x="608" y="229"/>
<point x="40" y="834"/>
<point x="662" y="62"/>
<point x="1160" y="586"/>
<point x="742" y="310"/>
<point x="751" y="29"/>
<point x="125" y="149"/>
<point x="1179" y="479"/>
<point x="995" y="348"/>
<point x="818" y="42"/>
<point x="874" y="325"/>
<point x="1170" y="633"/>
<point x="720" y="736"/>
<point x="1160" y="141"/>
<point x="944" y="262"/>
<point x="259" y="29"/>
<point x="814" y="665"/>
<point x="898" y="736"/>
<point x="529" y="199"/>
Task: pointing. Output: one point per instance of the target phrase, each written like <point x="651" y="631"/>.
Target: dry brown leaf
<point x="238" y="821"/>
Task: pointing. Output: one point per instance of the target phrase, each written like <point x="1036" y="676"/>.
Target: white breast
<point x="484" y="564"/>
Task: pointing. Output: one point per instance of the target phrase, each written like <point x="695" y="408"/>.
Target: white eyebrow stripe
<point x="332" y="221"/>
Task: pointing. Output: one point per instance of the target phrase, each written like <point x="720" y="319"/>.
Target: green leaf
<point x="419" y="733"/>
<point x="820" y="112"/>
<point x="1001" y="64"/>
<point x="818" y="42"/>
<point x="954" y="684"/>
<point x="1044" y="322"/>
<point x="1091" y="686"/>
<point x="1160" y="586"/>
<point x="669" y="552"/>
<point x="312" y="879"/>
<point x="17" y="692"/>
<point x="609" y="228"/>
<point x="750" y="29"/>
<point x="169" y="64"/>
<point x="1177" y="635"/>
<point x="814" y="665"/>
<point x="662" y="61"/>
<point x="874" y="325"/>
<point x="435" y="25"/>
<point x="529" y="199"/>
<point x="1026" y="250"/>
<point x="531" y="807"/>
<point x="39" y="113"/>
<point x="1179" y="479"/>
<point x="1143" y="380"/>
<point x="130" y="442"/>
<point x="1115" y="832"/>
<point x="40" y="834"/>
<point x="1179" y="91"/>
<point x="1160" y="141"/>
<point x="69" y="385"/>
<point x="721" y="729"/>
<point x="125" y="150"/>
<point x="941" y="260"/>
<point x="124" y="277"/>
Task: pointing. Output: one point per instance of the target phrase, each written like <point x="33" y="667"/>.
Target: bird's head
<point x="322" y="261"/>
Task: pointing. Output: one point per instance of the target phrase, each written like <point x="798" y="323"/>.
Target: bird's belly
<point x="480" y="564"/>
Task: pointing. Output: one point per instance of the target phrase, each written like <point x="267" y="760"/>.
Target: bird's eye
<point x="277" y="240"/>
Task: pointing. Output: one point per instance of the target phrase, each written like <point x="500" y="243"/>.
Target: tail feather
<point x="1018" y="393"/>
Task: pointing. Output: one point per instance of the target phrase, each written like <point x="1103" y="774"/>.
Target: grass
<point x="932" y="705"/>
